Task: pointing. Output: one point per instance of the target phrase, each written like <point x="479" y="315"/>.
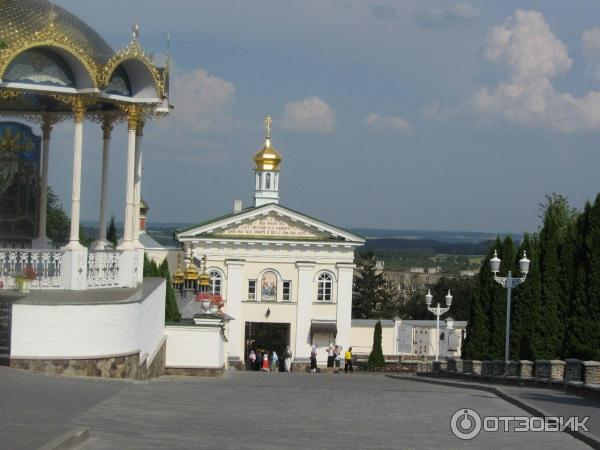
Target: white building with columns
<point x="277" y="269"/>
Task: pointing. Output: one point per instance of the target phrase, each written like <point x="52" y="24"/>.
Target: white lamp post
<point x="438" y="311"/>
<point x="509" y="283"/>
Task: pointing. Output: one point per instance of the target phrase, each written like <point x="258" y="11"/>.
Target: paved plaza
<point x="246" y="410"/>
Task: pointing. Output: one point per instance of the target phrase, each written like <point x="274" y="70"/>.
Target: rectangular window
<point x="251" y="289"/>
<point x="287" y="291"/>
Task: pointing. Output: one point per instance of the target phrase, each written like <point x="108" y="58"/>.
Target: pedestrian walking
<point x="288" y="359"/>
<point x="265" y="362"/>
<point x="348" y="361"/>
<point x="274" y="362"/>
<point x="252" y="360"/>
<point x="313" y="359"/>
<point x="330" y="357"/>
<point x="337" y="351"/>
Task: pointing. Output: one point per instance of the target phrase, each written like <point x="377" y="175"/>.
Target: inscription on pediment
<point x="271" y="226"/>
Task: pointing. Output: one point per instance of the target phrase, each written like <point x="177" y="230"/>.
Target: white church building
<point x="285" y="277"/>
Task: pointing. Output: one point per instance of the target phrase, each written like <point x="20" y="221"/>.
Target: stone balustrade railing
<point x="103" y="268"/>
<point x="581" y="377"/>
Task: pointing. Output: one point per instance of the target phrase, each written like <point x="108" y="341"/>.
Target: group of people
<point x="334" y="359"/>
<point x="261" y="360"/>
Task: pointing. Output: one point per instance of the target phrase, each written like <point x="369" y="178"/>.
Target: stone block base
<point x="194" y="372"/>
<point x="123" y="366"/>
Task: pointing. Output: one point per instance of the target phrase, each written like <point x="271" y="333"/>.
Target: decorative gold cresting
<point x="268" y="158"/>
<point x="133" y="51"/>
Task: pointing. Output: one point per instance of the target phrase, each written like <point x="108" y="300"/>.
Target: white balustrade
<point x="45" y="263"/>
<point x="103" y="268"/>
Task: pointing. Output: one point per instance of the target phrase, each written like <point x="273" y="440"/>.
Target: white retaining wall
<point x="65" y="331"/>
<point x="195" y="347"/>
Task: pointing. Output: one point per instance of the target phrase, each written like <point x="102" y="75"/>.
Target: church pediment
<point x="268" y="222"/>
<point x="272" y="226"/>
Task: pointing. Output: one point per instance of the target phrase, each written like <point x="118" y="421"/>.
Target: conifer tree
<point x="592" y="245"/>
<point x="557" y="215"/>
<point x="478" y="337"/>
<point x="111" y="232"/>
<point x="171" y="311"/>
<point x="373" y="297"/>
<point x="527" y="319"/>
<point x="376" y="358"/>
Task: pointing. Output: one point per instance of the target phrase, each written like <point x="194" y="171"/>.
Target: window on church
<point x="215" y="281"/>
<point x="324" y="287"/>
<point x="268" y="181"/>
<point x="287" y="291"/>
<point x="251" y="289"/>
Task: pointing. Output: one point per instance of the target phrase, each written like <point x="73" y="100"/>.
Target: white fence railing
<point x="45" y="263"/>
<point x="103" y="268"/>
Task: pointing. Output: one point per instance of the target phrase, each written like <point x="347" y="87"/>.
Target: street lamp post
<point x="509" y="283"/>
<point x="438" y="311"/>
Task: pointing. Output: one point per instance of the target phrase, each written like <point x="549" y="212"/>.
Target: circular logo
<point x="465" y="424"/>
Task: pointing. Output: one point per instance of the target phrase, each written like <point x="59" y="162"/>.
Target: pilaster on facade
<point x="235" y="292"/>
<point x="344" y="302"/>
<point x="303" y="309"/>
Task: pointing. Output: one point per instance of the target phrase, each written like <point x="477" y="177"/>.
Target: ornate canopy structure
<point x="53" y="68"/>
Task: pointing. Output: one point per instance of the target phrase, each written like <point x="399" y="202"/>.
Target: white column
<point x="137" y="188"/>
<point x="127" y="243"/>
<point x="345" y="275"/>
<point x="303" y="310"/>
<point x="79" y="112"/>
<point x="235" y="293"/>
<point x="107" y="127"/>
<point x="42" y="241"/>
<point x="74" y="263"/>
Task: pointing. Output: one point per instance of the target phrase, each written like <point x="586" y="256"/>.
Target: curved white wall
<point x="88" y="331"/>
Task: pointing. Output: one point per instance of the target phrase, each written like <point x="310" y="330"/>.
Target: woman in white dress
<point x="288" y="359"/>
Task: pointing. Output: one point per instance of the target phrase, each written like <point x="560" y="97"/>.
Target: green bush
<point x="376" y="360"/>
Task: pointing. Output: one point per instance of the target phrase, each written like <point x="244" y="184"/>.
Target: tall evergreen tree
<point x="497" y="306"/>
<point x="527" y="319"/>
<point x="111" y="232"/>
<point x="478" y="337"/>
<point x="171" y="311"/>
<point x="58" y="223"/>
<point x="592" y="245"/>
<point x="373" y="297"/>
<point x="376" y="358"/>
<point x="557" y="215"/>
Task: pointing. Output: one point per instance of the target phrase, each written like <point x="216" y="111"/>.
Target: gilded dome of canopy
<point x="22" y="18"/>
<point x="268" y="158"/>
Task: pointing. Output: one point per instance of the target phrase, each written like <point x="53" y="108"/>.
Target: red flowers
<point x="28" y="274"/>
<point x="213" y="298"/>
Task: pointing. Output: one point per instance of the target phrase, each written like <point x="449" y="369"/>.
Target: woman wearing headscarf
<point x="274" y="362"/>
<point x="288" y="359"/>
<point x="313" y="359"/>
<point x="265" y="362"/>
<point x="251" y="360"/>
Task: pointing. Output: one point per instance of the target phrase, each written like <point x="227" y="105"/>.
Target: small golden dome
<point x="178" y="277"/>
<point x="204" y="279"/>
<point x="268" y="158"/>
<point x="191" y="272"/>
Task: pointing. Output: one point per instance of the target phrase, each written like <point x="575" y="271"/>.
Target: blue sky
<point x="391" y="114"/>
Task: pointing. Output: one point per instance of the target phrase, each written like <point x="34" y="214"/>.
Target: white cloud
<point x="459" y="14"/>
<point x="525" y="45"/>
<point x="311" y="115"/>
<point x="590" y="40"/>
<point x="378" y="124"/>
<point x="529" y="55"/>
<point x="203" y="103"/>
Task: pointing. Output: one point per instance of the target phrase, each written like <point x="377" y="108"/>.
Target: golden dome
<point x="20" y="19"/>
<point x="204" y="279"/>
<point x="268" y="158"/>
<point x="178" y="277"/>
<point x="191" y="272"/>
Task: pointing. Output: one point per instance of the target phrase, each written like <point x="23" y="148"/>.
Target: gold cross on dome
<point x="268" y="122"/>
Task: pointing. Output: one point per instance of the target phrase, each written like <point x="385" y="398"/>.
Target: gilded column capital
<point x="107" y="127"/>
<point x="133" y="117"/>
<point x="78" y="111"/>
<point x="140" y="128"/>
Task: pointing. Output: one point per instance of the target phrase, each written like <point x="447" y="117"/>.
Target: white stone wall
<point x="87" y="330"/>
<point x="195" y="347"/>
